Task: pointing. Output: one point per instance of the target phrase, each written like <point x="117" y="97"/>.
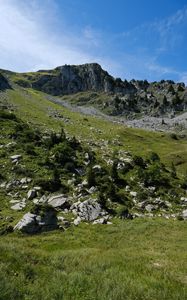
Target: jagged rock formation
<point x="110" y="95"/>
<point x="73" y="79"/>
<point x="4" y="84"/>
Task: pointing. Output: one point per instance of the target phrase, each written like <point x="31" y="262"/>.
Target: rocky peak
<point x="69" y="79"/>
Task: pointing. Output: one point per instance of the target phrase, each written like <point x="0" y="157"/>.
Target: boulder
<point x="28" y="224"/>
<point x="25" y="180"/>
<point x="31" y="194"/>
<point x="16" y="157"/>
<point x="77" y="221"/>
<point x="34" y="223"/>
<point x="150" y="207"/>
<point x="184" y="214"/>
<point x="89" y="210"/>
<point x="59" y="201"/>
<point x="63" y="222"/>
<point x="133" y="194"/>
<point x="19" y="206"/>
<point x="100" y="221"/>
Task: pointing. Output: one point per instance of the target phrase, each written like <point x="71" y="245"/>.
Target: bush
<point x="123" y="213"/>
<point x="154" y="157"/>
<point x="91" y="177"/>
<point x="63" y="153"/>
<point x="7" y="115"/>
<point x="173" y="136"/>
<point x="29" y="149"/>
<point x="102" y="200"/>
<point x="19" y="170"/>
<point x="69" y="167"/>
<point x="138" y="160"/>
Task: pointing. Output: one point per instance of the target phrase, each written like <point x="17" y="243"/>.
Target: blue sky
<point x="130" y="39"/>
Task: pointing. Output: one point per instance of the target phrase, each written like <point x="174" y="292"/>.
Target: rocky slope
<point x="45" y="173"/>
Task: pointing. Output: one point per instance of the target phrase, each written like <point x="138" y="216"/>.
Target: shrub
<point x="29" y="149"/>
<point x="123" y="213"/>
<point x="7" y="115"/>
<point x="91" y="177"/>
<point x="173" y="136"/>
<point x="70" y="167"/>
<point x="102" y="200"/>
<point x="62" y="153"/>
<point x="154" y="157"/>
<point x="173" y="170"/>
<point x="138" y="160"/>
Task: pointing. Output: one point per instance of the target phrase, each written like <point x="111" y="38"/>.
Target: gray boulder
<point x="31" y="194"/>
<point x="89" y="210"/>
<point x="184" y="214"/>
<point x="19" y="206"/>
<point x="28" y="224"/>
<point x="77" y="221"/>
<point x="16" y="157"/>
<point x="35" y="223"/>
<point x="150" y="207"/>
<point x="59" y="201"/>
<point x="101" y="221"/>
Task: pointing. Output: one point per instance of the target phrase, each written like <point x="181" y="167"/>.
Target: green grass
<point x="140" y="259"/>
<point x="34" y="106"/>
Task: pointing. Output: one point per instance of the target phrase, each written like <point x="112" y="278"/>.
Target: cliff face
<point x="4" y="84"/>
<point x="73" y="79"/>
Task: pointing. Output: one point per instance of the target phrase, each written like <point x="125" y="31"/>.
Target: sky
<point x="131" y="39"/>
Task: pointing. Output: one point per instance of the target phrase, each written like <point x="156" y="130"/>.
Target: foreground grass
<point x="140" y="259"/>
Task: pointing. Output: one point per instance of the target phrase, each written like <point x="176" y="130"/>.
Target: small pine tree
<point x="114" y="171"/>
<point x="173" y="171"/>
<point x="102" y="200"/>
<point x="91" y="177"/>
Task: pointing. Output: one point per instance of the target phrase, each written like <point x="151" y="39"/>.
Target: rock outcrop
<point x="38" y="222"/>
<point x="70" y="79"/>
<point x="88" y="210"/>
<point x="4" y="84"/>
<point x="59" y="201"/>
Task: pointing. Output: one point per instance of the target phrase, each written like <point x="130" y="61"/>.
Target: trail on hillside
<point x="178" y="123"/>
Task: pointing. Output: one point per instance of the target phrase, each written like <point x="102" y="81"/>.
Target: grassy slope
<point x="34" y="107"/>
<point x="140" y="259"/>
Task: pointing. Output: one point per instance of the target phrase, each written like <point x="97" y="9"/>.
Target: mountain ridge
<point x="113" y="96"/>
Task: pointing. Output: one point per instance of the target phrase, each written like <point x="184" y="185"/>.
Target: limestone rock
<point x="77" y="221"/>
<point x="28" y="224"/>
<point x="150" y="207"/>
<point x="100" y="221"/>
<point x="89" y="210"/>
<point x="34" y="223"/>
<point x="19" y="206"/>
<point x="31" y="194"/>
<point x="16" y="157"/>
<point x="184" y="214"/>
<point x="59" y="201"/>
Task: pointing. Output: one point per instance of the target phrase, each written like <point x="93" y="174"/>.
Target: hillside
<point x="69" y="166"/>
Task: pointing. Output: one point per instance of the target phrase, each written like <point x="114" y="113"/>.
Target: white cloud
<point x="32" y="37"/>
<point x="27" y="42"/>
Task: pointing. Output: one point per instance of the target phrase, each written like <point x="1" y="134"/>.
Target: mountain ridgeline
<point x="111" y="95"/>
